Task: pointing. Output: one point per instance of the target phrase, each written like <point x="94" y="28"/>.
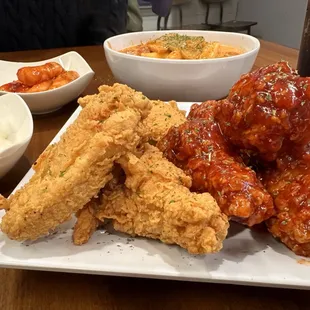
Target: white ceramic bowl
<point x="51" y="100"/>
<point x="181" y="80"/>
<point x="15" y="115"/>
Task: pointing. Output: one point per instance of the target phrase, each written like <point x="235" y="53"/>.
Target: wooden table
<point x="44" y="290"/>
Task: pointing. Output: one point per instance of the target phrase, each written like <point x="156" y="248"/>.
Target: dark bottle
<point x="303" y="66"/>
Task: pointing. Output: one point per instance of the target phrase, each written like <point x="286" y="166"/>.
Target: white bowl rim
<point x="52" y="90"/>
<point x="5" y="153"/>
<point x="186" y="61"/>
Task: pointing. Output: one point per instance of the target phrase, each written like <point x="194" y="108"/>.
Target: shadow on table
<point x="13" y="177"/>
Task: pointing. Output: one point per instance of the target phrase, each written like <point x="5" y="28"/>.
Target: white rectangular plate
<point x="249" y="257"/>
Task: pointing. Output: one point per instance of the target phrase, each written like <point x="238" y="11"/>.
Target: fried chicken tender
<point x="289" y="185"/>
<point x="121" y="97"/>
<point x="156" y="203"/>
<point x="161" y="118"/>
<point x="86" y="223"/>
<point x="267" y="109"/>
<point x="199" y="148"/>
<point x="72" y="171"/>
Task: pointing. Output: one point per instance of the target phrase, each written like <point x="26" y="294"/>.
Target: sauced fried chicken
<point x="266" y="110"/>
<point x="289" y="184"/>
<point x="199" y="148"/>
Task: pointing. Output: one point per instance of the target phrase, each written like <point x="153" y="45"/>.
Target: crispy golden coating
<point x="86" y="223"/>
<point x="121" y="97"/>
<point x="156" y="203"/>
<point x="72" y="171"/>
<point x="161" y="118"/>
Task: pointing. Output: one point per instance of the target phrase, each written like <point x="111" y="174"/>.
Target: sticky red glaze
<point x="199" y="148"/>
<point x="267" y="109"/>
<point x="14" y="87"/>
<point x="289" y="185"/>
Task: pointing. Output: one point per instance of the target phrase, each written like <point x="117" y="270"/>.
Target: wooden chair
<point x="208" y="3"/>
<point x="232" y="25"/>
<point x="178" y="4"/>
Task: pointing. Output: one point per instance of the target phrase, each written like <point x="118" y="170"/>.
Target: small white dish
<point x="16" y="129"/>
<point x="177" y="79"/>
<point x="51" y="100"/>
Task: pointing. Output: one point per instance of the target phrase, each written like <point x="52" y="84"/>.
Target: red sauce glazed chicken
<point x="199" y="148"/>
<point x="267" y="117"/>
<point x="268" y="113"/>
<point x="289" y="185"/>
<point x="267" y="109"/>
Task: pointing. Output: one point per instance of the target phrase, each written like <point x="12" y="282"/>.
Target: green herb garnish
<point x="62" y="173"/>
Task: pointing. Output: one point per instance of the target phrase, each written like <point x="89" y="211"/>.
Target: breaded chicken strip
<point x="157" y="203"/>
<point x="162" y="117"/>
<point x="86" y="223"/>
<point x="157" y="123"/>
<point x="110" y="99"/>
<point x="72" y="171"/>
<point x="121" y="97"/>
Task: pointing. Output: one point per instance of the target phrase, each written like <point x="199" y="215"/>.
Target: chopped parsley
<point x="62" y="173"/>
<point x="268" y="97"/>
<point x="171" y="201"/>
